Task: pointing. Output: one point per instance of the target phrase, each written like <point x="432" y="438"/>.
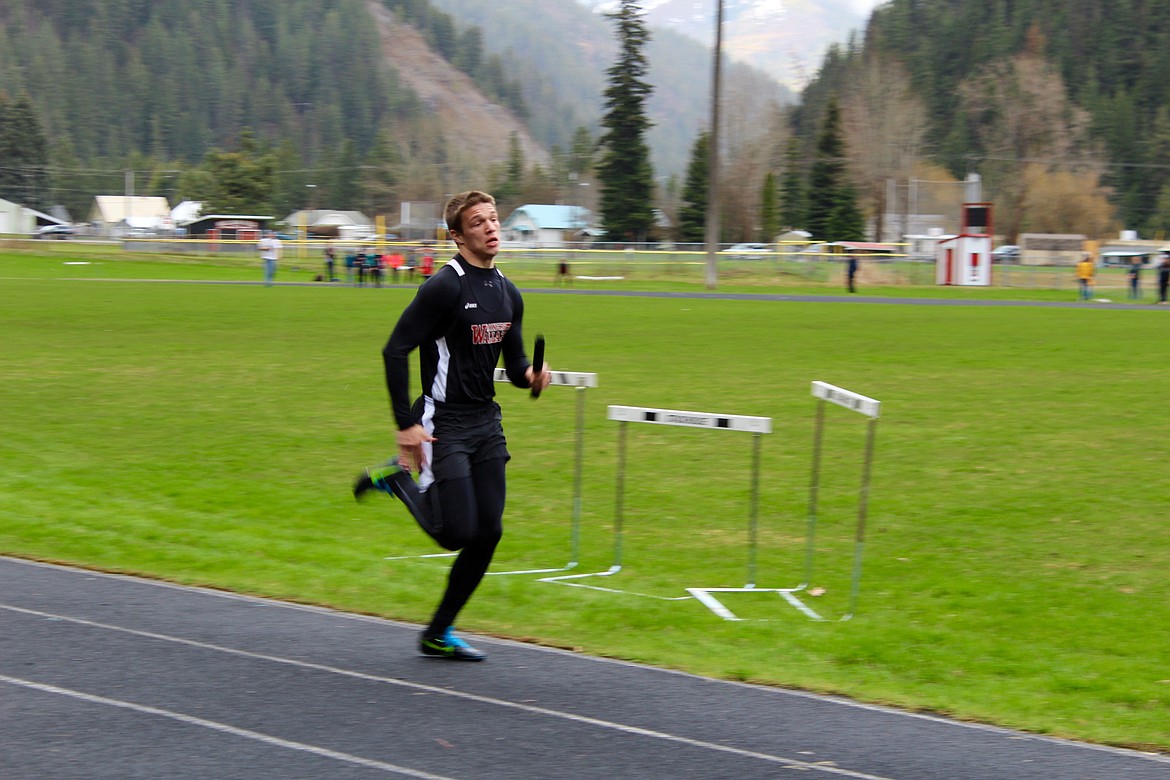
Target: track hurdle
<point x="582" y="381"/>
<point x="825" y="393"/>
<point x="624" y="415"/>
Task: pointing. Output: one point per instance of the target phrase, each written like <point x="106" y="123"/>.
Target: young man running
<point x="460" y="321"/>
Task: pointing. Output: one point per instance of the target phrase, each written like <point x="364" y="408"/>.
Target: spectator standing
<point x="359" y="265"/>
<point x="374" y="264"/>
<point x="851" y="273"/>
<point x="1135" y="278"/>
<point x="330" y="262"/>
<point x="1085" y="271"/>
<point x="1163" y="277"/>
<point x="270" y="248"/>
<point x="563" y="275"/>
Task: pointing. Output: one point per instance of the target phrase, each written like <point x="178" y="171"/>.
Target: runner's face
<point x="480" y="236"/>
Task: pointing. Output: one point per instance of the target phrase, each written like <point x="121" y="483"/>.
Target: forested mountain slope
<point x="988" y="72"/>
<point x="339" y="86"/>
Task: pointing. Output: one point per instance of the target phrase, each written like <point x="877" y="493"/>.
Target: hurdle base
<point x="564" y="580"/>
<point x="705" y="597"/>
<point x="567" y="567"/>
<point x="416" y="557"/>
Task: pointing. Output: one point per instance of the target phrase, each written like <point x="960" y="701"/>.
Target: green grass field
<point x="1017" y="559"/>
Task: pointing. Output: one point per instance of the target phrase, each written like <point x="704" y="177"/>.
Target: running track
<point x="105" y="676"/>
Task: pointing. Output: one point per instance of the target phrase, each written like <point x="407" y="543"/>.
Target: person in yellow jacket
<point x="1085" y="270"/>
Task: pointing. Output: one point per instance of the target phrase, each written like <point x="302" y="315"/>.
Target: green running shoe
<point x="447" y="645"/>
<point x="377" y="478"/>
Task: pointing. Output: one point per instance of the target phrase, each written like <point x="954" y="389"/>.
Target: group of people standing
<point x="373" y="266"/>
<point x="1087" y="270"/>
<point x="360" y="266"/>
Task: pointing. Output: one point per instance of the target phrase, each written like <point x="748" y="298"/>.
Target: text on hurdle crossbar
<point x="560" y="378"/>
<point x="729" y="422"/>
<point x="847" y="398"/>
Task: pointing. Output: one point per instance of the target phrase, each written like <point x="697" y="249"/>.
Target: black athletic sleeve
<point x="427" y="314"/>
<point x="515" y="361"/>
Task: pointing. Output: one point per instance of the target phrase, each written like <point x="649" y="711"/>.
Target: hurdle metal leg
<point x="862" y="513"/>
<point x="871" y="409"/>
<point x="581" y="382"/>
<point x="753" y="512"/>
<point x="626" y="414"/>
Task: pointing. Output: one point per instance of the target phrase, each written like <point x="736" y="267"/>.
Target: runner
<point x="452" y="436"/>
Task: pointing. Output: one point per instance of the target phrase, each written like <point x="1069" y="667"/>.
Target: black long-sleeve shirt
<point x="460" y="320"/>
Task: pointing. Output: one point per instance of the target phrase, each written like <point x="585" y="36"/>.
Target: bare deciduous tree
<point x="1067" y="202"/>
<point x="1020" y="113"/>
<point x="748" y="142"/>
<point x="885" y="126"/>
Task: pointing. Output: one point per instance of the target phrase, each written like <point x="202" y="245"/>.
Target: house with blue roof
<point x="547" y="226"/>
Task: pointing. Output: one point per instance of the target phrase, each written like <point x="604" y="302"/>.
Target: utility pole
<point x="713" y="226"/>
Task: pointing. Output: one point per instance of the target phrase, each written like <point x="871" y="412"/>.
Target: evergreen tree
<point x="692" y="217"/>
<point x="793" y="206"/>
<point x="507" y="192"/>
<point x="24" y="154"/>
<point x="382" y="174"/>
<point x="846" y="223"/>
<point x="831" y="199"/>
<point x="769" y="209"/>
<point x="69" y="188"/>
<point x="581" y="152"/>
<point x="243" y="182"/>
<point x="627" y="180"/>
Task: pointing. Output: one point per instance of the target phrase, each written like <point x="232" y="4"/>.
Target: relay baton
<point x="537" y="363"/>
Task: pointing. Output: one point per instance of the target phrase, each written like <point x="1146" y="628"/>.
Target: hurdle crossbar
<point x="757" y="426"/>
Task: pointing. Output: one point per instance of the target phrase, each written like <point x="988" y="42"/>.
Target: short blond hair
<point x="461" y="203"/>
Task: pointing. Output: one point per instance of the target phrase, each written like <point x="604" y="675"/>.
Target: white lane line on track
<point x="1158" y="758"/>
<point x="190" y="720"/>
<point x="541" y="711"/>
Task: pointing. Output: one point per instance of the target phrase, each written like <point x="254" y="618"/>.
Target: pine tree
<point x="24" y="154"/>
<point x="627" y="180"/>
<point x="769" y="209"/>
<point x="792" y="193"/>
<point x="692" y="217"/>
<point x="831" y="200"/>
<point x="581" y="152"/>
<point x="508" y="191"/>
<point x="243" y="181"/>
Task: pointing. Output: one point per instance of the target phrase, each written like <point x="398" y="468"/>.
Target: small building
<point x="15" y="218"/>
<point x="924" y="246"/>
<point x="228" y="227"/>
<point x="1051" y="248"/>
<point x="118" y="216"/>
<point x="547" y="226"/>
<point x="186" y="212"/>
<point x="329" y="223"/>
<point x="20" y="220"/>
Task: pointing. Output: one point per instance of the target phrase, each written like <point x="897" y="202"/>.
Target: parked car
<point x="55" y="231"/>
<point x="1008" y="253"/>
<point x="749" y="251"/>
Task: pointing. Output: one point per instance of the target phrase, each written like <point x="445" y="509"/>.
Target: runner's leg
<point x="478" y="503"/>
